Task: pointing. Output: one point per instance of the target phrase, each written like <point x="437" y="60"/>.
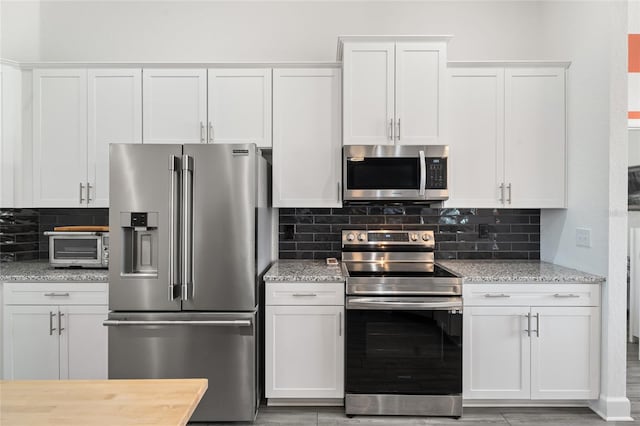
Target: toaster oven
<point x="78" y="249"/>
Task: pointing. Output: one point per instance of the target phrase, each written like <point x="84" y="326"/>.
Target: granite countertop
<point x="525" y="271"/>
<point x="41" y="271"/>
<point x="303" y="271"/>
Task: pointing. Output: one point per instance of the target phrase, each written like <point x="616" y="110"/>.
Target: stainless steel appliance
<point x="403" y="326"/>
<point x="74" y="249"/>
<point x="187" y="242"/>
<point x="395" y="172"/>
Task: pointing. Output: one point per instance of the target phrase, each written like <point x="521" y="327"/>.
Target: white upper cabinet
<point x="369" y="78"/>
<point x="535" y="158"/>
<point x="59" y="137"/>
<point x="115" y="116"/>
<point x="306" y="138"/>
<point x="77" y="113"/>
<point x="393" y="90"/>
<point x="506" y="131"/>
<point x="174" y="105"/>
<point x="240" y="106"/>
<point x="475" y="132"/>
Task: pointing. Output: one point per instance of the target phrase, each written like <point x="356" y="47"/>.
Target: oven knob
<point x="414" y="237"/>
<point x="426" y="237"/>
<point x="351" y="237"/>
<point x="362" y="237"/>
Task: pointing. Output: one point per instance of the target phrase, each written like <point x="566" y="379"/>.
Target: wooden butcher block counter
<point x="99" y="402"/>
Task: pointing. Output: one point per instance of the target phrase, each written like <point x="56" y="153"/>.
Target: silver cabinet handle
<point x="391" y="129"/>
<point x="497" y="295"/>
<point x="509" y="192"/>
<point x="187" y="226"/>
<point x="537" y="330"/>
<point x="398" y="129"/>
<point x="81" y="192"/>
<point x="502" y="193"/>
<point x="304" y="294"/>
<point x="339" y="324"/>
<point x="221" y="323"/>
<point x="51" y="329"/>
<point x="528" y="329"/>
<point x="57" y="294"/>
<point x="174" y="166"/>
<point x="423" y="173"/>
<point x="201" y="132"/>
<point x="89" y="186"/>
<point x="210" y="132"/>
<point x="60" y="314"/>
<point x="566" y="295"/>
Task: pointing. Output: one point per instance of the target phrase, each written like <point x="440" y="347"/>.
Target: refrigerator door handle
<point x="174" y="169"/>
<point x="220" y="323"/>
<point x="187" y="227"/>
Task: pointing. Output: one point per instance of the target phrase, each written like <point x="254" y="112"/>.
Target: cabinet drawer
<point x="305" y="294"/>
<point x="531" y="294"/>
<point x="55" y="294"/>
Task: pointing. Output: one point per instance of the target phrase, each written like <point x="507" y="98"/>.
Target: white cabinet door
<point x="304" y="352"/>
<point x="59" y="137"/>
<point x="115" y="116"/>
<point x="174" y="105"/>
<point x="535" y="137"/>
<point x="369" y="80"/>
<point x="475" y="131"/>
<point x="306" y="138"/>
<point x="419" y="100"/>
<point x="240" y="106"/>
<point x="30" y="343"/>
<point x="565" y="353"/>
<point x="83" y="342"/>
<point x="496" y="353"/>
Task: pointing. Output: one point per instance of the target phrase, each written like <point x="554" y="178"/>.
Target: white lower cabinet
<point x="304" y="342"/>
<point x="51" y="331"/>
<point x="531" y="341"/>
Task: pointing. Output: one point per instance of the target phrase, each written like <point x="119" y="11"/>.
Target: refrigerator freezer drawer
<point x="220" y="347"/>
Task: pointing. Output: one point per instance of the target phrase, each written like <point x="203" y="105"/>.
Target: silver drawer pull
<point x="57" y="294"/>
<point x="304" y="294"/>
<point x="497" y="295"/>
<point x="566" y="295"/>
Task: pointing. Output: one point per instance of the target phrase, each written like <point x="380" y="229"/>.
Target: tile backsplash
<point x="507" y="233"/>
<point x="22" y="230"/>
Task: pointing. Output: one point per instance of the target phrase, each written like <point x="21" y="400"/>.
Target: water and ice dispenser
<point x="140" y="240"/>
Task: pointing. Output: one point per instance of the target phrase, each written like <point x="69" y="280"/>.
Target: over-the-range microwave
<point x="417" y="173"/>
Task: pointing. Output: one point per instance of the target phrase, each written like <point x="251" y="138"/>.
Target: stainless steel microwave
<point x="395" y="172"/>
<point x="78" y="249"/>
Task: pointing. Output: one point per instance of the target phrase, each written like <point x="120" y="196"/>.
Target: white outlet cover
<point x="583" y="237"/>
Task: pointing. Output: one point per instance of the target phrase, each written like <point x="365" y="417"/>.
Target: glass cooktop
<point x="397" y="269"/>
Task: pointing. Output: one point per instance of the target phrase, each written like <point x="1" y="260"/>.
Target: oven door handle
<point x="382" y="303"/>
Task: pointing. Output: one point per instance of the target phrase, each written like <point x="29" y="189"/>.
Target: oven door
<point x="76" y="250"/>
<point x="404" y="345"/>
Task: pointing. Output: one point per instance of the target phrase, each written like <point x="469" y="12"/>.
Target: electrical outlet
<point x="583" y="237"/>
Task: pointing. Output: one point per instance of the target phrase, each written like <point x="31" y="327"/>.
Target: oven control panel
<point x="361" y="237"/>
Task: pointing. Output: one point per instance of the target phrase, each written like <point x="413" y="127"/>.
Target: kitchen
<point x="75" y="42"/>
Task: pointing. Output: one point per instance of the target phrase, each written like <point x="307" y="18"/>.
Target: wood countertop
<point x="100" y="402"/>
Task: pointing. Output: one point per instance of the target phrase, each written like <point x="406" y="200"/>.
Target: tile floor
<point x="334" y="416"/>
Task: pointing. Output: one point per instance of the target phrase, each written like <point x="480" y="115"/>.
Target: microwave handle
<point x="423" y="174"/>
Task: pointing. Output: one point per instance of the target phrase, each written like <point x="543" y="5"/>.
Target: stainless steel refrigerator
<point x="189" y="229"/>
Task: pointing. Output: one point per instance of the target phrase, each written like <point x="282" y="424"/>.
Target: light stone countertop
<point x="521" y="271"/>
<point x="41" y="271"/>
<point x="303" y="271"/>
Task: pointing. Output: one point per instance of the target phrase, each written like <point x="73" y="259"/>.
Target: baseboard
<point x="523" y="403"/>
<point x="613" y="409"/>
<point x="305" y="402"/>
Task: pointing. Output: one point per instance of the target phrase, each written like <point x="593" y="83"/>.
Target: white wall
<point x="593" y="36"/>
<point x="255" y="31"/>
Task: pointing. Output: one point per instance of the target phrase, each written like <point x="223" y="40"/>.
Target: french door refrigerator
<point x="184" y="269"/>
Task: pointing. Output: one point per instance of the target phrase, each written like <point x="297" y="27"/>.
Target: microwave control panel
<point x="436" y="173"/>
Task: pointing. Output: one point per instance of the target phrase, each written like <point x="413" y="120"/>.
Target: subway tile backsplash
<point x="22" y="230"/>
<point x="507" y="233"/>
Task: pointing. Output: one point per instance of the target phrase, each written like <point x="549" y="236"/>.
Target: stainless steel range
<point x="403" y="326"/>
